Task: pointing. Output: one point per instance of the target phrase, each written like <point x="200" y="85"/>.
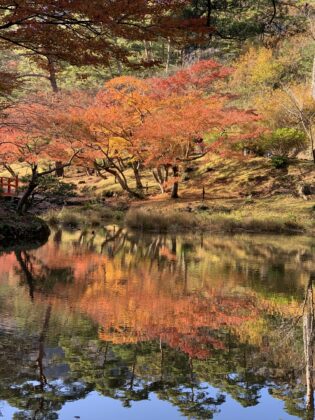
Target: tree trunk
<point x="174" y="193"/>
<point x="59" y="169"/>
<point x="119" y="67"/>
<point x="158" y="180"/>
<point x="123" y="183"/>
<point x="168" y="58"/>
<point x="119" y="177"/>
<point x="310" y="134"/>
<point x="166" y="169"/>
<point x="160" y="177"/>
<point x="10" y="170"/>
<point x="52" y="75"/>
<point x="313" y="81"/>
<point x="31" y="187"/>
<point x="146" y="51"/>
<point x="313" y="96"/>
<point x="136" y="171"/>
<point x="58" y="238"/>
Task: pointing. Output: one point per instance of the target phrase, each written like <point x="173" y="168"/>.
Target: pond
<point x="121" y="325"/>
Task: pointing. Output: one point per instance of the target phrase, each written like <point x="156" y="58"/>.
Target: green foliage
<point x="70" y="220"/>
<point x="53" y="187"/>
<point x="57" y="188"/>
<point x="279" y="162"/>
<point x="285" y="142"/>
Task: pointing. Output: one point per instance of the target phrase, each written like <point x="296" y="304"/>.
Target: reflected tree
<point x="308" y="338"/>
<point x="39" y="276"/>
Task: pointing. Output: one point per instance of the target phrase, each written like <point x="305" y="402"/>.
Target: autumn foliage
<point x="129" y="303"/>
<point x="159" y="124"/>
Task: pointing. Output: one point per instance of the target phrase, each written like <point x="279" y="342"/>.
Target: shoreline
<point x="281" y="215"/>
<point x="16" y="230"/>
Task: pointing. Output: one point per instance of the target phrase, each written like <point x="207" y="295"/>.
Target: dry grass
<point x="89" y="215"/>
<point x="246" y="195"/>
<point x="238" y="217"/>
<point x="153" y="221"/>
<point x="231" y="224"/>
<point x="221" y="177"/>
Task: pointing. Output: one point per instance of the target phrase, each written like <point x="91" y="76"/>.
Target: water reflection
<point x="196" y="321"/>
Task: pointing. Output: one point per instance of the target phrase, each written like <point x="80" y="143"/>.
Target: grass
<point x="278" y="214"/>
<point x="156" y="222"/>
<point x="222" y="177"/>
<point x="231" y="224"/>
<point x="241" y="195"/>
<point x="274" y="215"/>
<point x="94" y="215"/>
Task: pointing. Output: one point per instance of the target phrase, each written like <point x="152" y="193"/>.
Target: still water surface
<point x="119" y="325"/>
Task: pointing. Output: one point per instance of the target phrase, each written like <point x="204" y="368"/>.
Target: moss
<point x="16" y="229"/>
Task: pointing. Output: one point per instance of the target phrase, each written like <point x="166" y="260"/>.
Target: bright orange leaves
<point x="131" y="121"/>
<point x="162" y="121"/>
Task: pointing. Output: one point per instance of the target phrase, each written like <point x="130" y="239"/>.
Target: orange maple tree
<point x="159" y="124"/>
<point x="118" y="110"/>
<point x="189" y="108"/>
<point x="27" y="138"/>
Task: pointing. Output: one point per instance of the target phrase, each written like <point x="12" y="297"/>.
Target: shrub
<point x="65" y="218"/>
<point x="285" y="142"/>
<point x="52" y="218"/>
<point x="279" y="162"/>
<point x="282" y="142"/>
<point x="52" y="187"/>
<point x="70" y="220"/>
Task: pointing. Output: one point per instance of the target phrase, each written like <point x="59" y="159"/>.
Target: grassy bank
<point x="274" y="215"/>
<point x="88" y="215"/>
<point x="248" y="195"/>
<point x="221" y="177"/>
<point x="15" y="229"/>
<point x="278" y="214"/>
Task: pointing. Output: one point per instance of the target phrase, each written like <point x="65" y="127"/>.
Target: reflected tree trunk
<point x="41" y="350"/>
<point x="105" y="356"/>
<point x="192" y="378"/>
<point x="23" y="259"/>
<point x="308" y="336"/>
<point x="58" y="238"/>
<point x="174" y="245"/>
<point x="162" y="361"/>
